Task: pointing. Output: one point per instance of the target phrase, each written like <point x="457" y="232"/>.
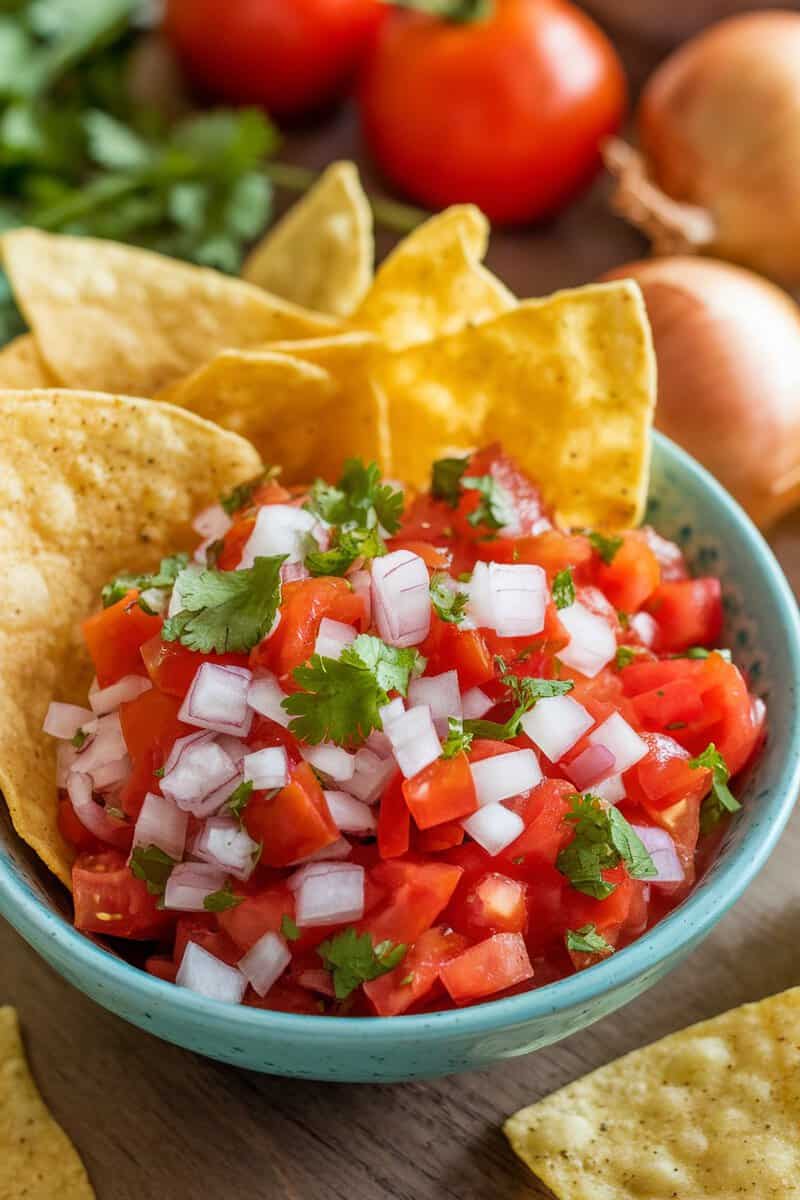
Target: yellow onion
<point x="719" y="132"/>
<point x="728" y="351"/>
<point x="668" y="22"/>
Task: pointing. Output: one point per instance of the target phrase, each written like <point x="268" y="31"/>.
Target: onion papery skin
<point x="728" y="351"/>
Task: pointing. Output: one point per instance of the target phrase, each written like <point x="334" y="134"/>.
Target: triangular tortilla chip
<point x="37" y="1159"/>
<point x="22" y="366"/>
<point x="89" y="485"/>
<point x="709" y="1113"/>
<point x="321" y="253"/>
<point x="120" y="319"/>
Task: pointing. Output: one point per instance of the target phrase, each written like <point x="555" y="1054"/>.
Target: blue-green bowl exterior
<point x="686" y="504"/>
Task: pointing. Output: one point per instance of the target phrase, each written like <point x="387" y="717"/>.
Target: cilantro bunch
<point x="603" y="839"/>
<point x="361" y="508"/>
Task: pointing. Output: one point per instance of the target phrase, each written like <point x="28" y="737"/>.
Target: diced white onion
<point x="111" y="773"/>
<point x="265" y="962"/>
<point x="612" y="790"/>
<point x="291" y="572"/>
<point x="401" y="598"/>
<point x="475" y="704"/>
<point x="281" y="529"/>
<point x="370" y="776"/>
<point x="224" y="843"/>
<point x="161" y="823"/>
<point x="591" y="765"/>
<point x="155" y="600"/>
<point x="64" y="720"/>
<point x="194" y="777"/>
<point x="267" y="768"/>
<point x="66" y="759"/>
<point x="661" y="848"/>
<point x="623" y="742"/>
<point x="414" y="740"/>
<point x="234" y="749"/>
<point x="106" y="744"/>
<point x="442" y="695"/>
<point x="212" y="523"/>
<point x="209" y="976"/>
<point x="332" y="638"/>
<point x="505" y="775"/>
<point x="331" y="896"/>
<point x="330" y="760"/>
<point x="128" y="688"/>
<point x="510" y="598"/>
<point x="93" y="816"/>
<point x="184" y="577"/>
<point x="592" y="643"/>
<point x="555" y="724"/>
<point x="265" y="696"/>
<point x="494" y="827"/>
<point x="217" y="699"/>
<point x="351" y="815"/>
<point x="190" y="882"/>
<point x="645" y="628"/>
<point x="379" y="744"/>
<point x="391" y="712"/>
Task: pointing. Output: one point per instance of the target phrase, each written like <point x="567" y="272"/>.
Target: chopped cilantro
<point x="152" y="865"/>
<point x="222" y="900"/>
<point x="289" y="928"/>
<point x="624" y="657"/>
<point x="239" y="798"/>
<point x="496" y="508"/>
<point x="239" y="496"/>
<point x="339" y="702"/>
<point x="116" y="813"/>
<point x="720" y="799"/>
<point x="457" y="739"/>
<point x="448" y="602"/>
<point x="623" y="618"/>
<point x="162" y="580"/>
<point x="603" y="839"/>
<point x="605" y="546"/>
<point x="407" y="980"/>
<point x="352" y="959"/>
<point x="358" y="499"/>
<point x="159" y="772"/>
<point x="392" y="668"/>
<point x="79" y="738"/>
<point x="446" y="479"/>
<point x="348" y="545"/>
<point x="526" y="690"/>
<point x="702" y="652"/>
<point x="564" y="589"/>
<point x="227" y="610"/>
<point x="587" y="940"/>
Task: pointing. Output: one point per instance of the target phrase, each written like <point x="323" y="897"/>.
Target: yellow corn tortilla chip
<point x="37" y="1159"/>
<point x="567" y="384"/>
<point x="321" y="253"/>
<point x="710" y="1113"/>
<point x="434" y="283"/>
<point x="116" y="318"/>
<point x="22" y="366"/>
<point x="89" y="485"/>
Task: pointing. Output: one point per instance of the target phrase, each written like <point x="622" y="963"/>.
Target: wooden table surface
<point x="154" y="1122"/>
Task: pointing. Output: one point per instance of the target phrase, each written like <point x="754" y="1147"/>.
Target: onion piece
<point x="612" y="790"/>
<point x="621" y="740"/>
<point x="209" y="976"/>
<point x="105" y="700"/>
<point x="370" y="776"/>
<point x="267" y="768"/>
<point x="217" y="699"/>
<point x="505" y="775"/>
<point x="442" y="695"/>
<point x="414" y="740"/>
<point x="161" y="823"/>
<point x="475" y="704"/>
<point x="192" y="779"/>
<point x="265" y="695"/>
<point x="645" y="628"/>
<point x="494" y="827"/>
<point x="265" y="962"/>
<point x="510" y="598"/>
<point x="555" y="724"/>
<point x="661" y="848"/>
<point x="223" y="842"/>
<point x="189" y="883"/>
<point x="331" y="896"/>
<point x="391" y="712"/>
<point x="64" y="720"/>
<point x="93" y="816"/>
<point x="351" y="815"/>
<point x="111" y="773"/>
<point x="592" y="642"/>
<point x="332" y="638"/>
<point x="212" y="522"/>
<point x="401" y="598"/>
<point x="592" y="765"/>
<point x="106" y="744"/>
<point x="330" y="760"/>
<point x="281" y="529"/>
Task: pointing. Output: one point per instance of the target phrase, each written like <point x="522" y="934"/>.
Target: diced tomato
<point x="151" y="720"/>
<point x="663" y="707"/>
<point x="215" y="943"/>
<point x="642" y="677"/>
<point x="488" y="748"/>
<point x="524" y="495"/>
<point x="74" y="831"/>
<point x="688" y="613"/>
<point x="260" y="913"/>
<point x="108" y="899"/>
<point x="606" y="915"/>
<point x="172" y="667"/>
<point x="162" y="967"/>
<point x="304" y="605"/>
<point x="394" y="821"/>
<point x="546" y="832"/>
<point x="271" y="492"/>
<point x="186" y="928"/>
<point x="141" y="780"/>
<point x="448" y="648"/>
<point x="492" y="966"/>
<point x="417" y="892"/>
<point x="285" y="996"/>
<point x="556" y="551"/>
<point x="440" y="837"/>
<point x="441" y="792"/>
<point x="234" y="543"/>
<point x="417" y="976"/>
<point x="498" y="904"/>
<point x="294" y="823"/>
<point x="632" y="575"/>
<point x="114" y="635"/>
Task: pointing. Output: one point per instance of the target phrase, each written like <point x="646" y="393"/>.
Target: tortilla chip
<point x="89" y="485"/>
<point x="433" y="283"/>
<point x="22" y="366"/>
<point x="567" y="384"/>
<point x="120" y="319"/>
<point x="709" y="1113"/>
<point x="321" y="253"/>
<point x="37" y="1159"/>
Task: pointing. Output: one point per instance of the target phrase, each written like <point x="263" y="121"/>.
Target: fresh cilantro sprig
<point x="241" y="495"/>
<point x="289" y="928"/>
<point x="222" y="900"/>
<point x="153" y="866"/>
<point x="393" y="668"/>
<point x="602" y="839"/>
<point x="525" y="691"/>
<point x="357" y="499"/>
<point x="239" y="799"/>
<point x="605" y="545"/>
<point x="587" y="940"/>
<point x="458" y="738"/>
<point x="227" y="610"/>
<point x="352" y="959"/>
<point x="495" y="509"/>
<point x="348" y="545"/>
<point x="720" y="799"/>
<point x="446" y="477"/>
<point x="624" y="656"/>
<point x="449" y="603"/>
<point x="564" y="589"/>
<point x="161" y="580"/>
<point x="79" y="739"/>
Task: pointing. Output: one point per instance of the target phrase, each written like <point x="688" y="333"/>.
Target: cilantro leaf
<point x="587" y="940"/>
<point x="602" y="839"/>
<point x="241" y="495"/>
<point x="457" y="739"/>
<point x="446" y="479"/>
<point x="525" y="690"/>
<point x="630" y="846"/>
<point x="227" y="610"/>
<point x="564" y="589"/>
<point x="358" y="499"/>
<point x="239" y="799"/>
<point x="392" y="668"/>
<point x="720" y="799"/>
<point x="153" y="866"/>
<point x="352" y="959"/>
<point x="624" y="657"/>
<point x="449" y="604"/>
<point x="339" y="702"/>
<point x="162" y="580"/>
<point x="496" y="508"/>
<point x="289" y="928"/>
<point x="79" y="738"/>
<point x="605" y="546"/>
<point x="222" y="900"/>
<point x="348" y="545"/>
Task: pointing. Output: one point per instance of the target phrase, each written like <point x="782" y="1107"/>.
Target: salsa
<point x="372" y="752"/>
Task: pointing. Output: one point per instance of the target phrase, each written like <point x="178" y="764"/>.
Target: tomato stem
<point x="390" y="214"/>
<point x="460" y="11"/>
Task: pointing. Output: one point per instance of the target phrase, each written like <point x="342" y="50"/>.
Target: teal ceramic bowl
<point x="686" y="504"/>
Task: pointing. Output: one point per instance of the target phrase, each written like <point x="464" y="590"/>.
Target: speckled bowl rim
<point x="678" y="931"/>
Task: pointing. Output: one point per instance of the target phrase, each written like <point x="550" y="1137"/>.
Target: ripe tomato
<point x="632" y="575"/>
<point x="687" y="613"/>
<point x="491" y="966"/>
<point x="172" y="667"/>
<point x="417" y="976"/>
<point x="288" y="55"/>
<point x="441" y="792"/>
<point x="305" y="603"/>
<point x="506" y="112"/>
<point x="293" y="823"/>
<point x="416" y="894"/>
<point x="113" y="637"/>
<point x="394" y="821"/>
<point x="108" y="899"/>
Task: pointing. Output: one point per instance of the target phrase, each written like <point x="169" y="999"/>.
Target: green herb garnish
<point x="241" y="495"/>
<point x="720" y="799"/>
<point x="496" y="507"/>
<point x="352" y="959"/>
<point x="79" y="738"/>
<point x="289" y="928"/>
<point x="603" y="839"/>
<point x="624" y="657"/>
<point x="152" y="865"/>
<point x="457" y="739"/>
<point x="564" y="589"/>
<point x="587" y="940"/>
<point x="359" y="500"/>
<point x="348" y="545"/>
<point x="446" y="479"/>
<point x="605" y="546"/>
<point x="525" y="690"/>
<point x="222" y="900"/>
<point x="449" y="604"/>
<point x="226" y="611"/>
<point x="239" y="798"/>
<point x="162" y="580"/>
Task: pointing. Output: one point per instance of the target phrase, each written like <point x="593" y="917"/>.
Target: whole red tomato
<point x="288" y="55"/>
<point x="506" y="111"/>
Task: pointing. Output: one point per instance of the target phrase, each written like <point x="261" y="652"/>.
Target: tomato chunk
<point x="114" y="635"/>
<point x="108" y="899"/>
<point x="441" y="792"/>
<point x="304" y="605"/>
<point x="394" y="821"/>
<point x="688" y="613"/>
<point x="417" y="893"/>
<point x="417" y="976"/>
<point x="257" y="914"/>
<point x="492" y="966"/>
<point x="499" y="904"/>
<point x="172" y="667"/>
<point x="292" y="824"/>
